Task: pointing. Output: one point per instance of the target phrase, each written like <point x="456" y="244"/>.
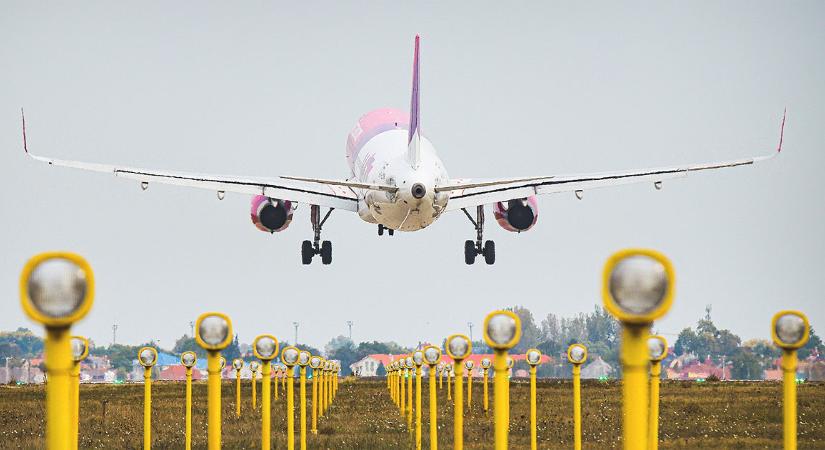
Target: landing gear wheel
<point x="469" y="252"/>
<point x="307" y="252"/>
<point x="326" y="252"/>
<point x="380" y="229"/>
<point x="489" y="252"/>
<point x="391" y="231"/>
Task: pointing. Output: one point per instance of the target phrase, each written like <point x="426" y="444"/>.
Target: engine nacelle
<point x="271" y="214"/>
<point x="517" y="215"/>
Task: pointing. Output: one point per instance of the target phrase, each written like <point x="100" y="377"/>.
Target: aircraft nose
<point x="418" y="190"/>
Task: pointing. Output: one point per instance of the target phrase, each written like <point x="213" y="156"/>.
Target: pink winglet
<point x="782" y="131"/>
<point x="25" y="146"/>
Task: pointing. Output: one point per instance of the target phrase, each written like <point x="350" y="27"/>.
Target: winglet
<point x="414" y="137"/>
<point x="782" y="131"/>
<point x="25" y="146"/>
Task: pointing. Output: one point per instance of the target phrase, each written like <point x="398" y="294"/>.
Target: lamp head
<point x="56" y="288"/>
<point x="577" y="354"/>
<point x="418" y="358"/>
<point x="315" y="362"/>
<point x="486" y="363"/>
<point x="222" y="362"/>
<point x="459" y="346"/>
<point x="637" y="285"/>
<point x="790" y="329"/>
<point x="80" y="348"/>
<point x="147" y="356"/>
<point x="188" y="359"/>
<point x="533" y="357"/>
<point x="468" y="364"/>
<point x="657" y="348"/>
<point x="237" y="364"/>
<point x="502" y="330"/>
<point x="265" y="347"/>
<point x="432" y="355"/>
<point x="290" y="356"/>
<point x="510" y="362"/>
<point x="303" y="358"/>
<point x="213" y="331"/>
<point x="408" y="361"/>
<point x="254" y="366"/>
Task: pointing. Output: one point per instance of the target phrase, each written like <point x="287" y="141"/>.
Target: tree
<point x="187" y="344"/>
<point x="342" y="349"/>
<point x="382" y="371"/>
<point x="814" y="344"/>
<point x="686" y="342"/>
<point x="530" y="333"/>
<point x="232" y="351"/>
<point x="746" y="365"/>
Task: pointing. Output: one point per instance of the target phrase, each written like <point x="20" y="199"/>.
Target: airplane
<point x="398" y="183"/>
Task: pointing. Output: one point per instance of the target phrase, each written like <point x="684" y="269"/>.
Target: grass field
<point x="710" y="415"/>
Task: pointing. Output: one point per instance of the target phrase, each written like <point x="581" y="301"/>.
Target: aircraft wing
<point x="466" y="193"/>
<point x="327" y="193"/>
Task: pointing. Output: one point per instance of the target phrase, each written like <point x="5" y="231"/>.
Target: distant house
<point x="596" y="369"/>
<point x="368" y="365"/>
<point x="689" y="367"/>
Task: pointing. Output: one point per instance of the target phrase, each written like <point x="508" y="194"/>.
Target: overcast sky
<point x="507" y="90"/>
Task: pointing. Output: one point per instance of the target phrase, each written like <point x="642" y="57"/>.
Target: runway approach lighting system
<point x="485" y="369"/>
<point x="315" y="363"/>
<point x="502" y="331"/>
<point x="657" y="347"/>
<point x="303" y="361"/>
<point x="432" y="357"/>
<point x="213" y="332"/>
<point x="408" y="362"/>
<point x="80" y="350"/>
<point x="290" y="358"/>
<point x="57" y="290"/>
<point x="790" y="331"/>
<point x="237" y="364"/>
<point x="469" y="365"/>
<point x="254" y="366"/>
<point x="459" y="348"/>
<point x="637" y="288"/>
<point x="147" y="357"/>
<point x="265" y="348"/>
<point x="441" y="367"/>
<point x="188" y="359"/>
<point x="577" y="355"/>
<point x="418" y="360"/>
<point x="533" y="359"/>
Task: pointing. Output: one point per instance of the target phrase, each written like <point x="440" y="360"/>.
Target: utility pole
<point x="470" y="324"/>
<point x="114" y="333"/>
<point x="349" y="324"/>
<point x="295" y="324"/>
<point x="191" y="329"/>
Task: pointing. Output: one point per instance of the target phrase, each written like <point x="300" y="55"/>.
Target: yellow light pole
<point x="403" y="383"/>
<point x="637" y="288"/>
<point x="441" y="366"/>
<point x="188" y="359"/>
<point x="510" y="364"/>
<point x="485" y="367"/>
<point x="336" y="377"/>
<point x="80" y="350"/>
<point x="315" y="363"/>
<point x="449" y="369"/>
<point x="458" y="347"/>
<point x="469" y="365"/>
<point x="418" y="360"/>
<point x="254" y="367"/>
<point x="276" y="369"/>
<point x="408" y="362"/>
<point x="237" y="364"/>
<point x="265" y="348"/>
<point x="213" y="332"/>
<point x="790" y="331"/>
<point x="147" y="357"/>
<point x="432" y="356"/>
<point x="290" y="358"/>
<point x="303" y="361"/>
<point x="533" y="359"/>
<point x="57" y="290"/>
<point x="391" y="382"/>
<point x="657" y="348"/>
<point x="577" y="355"/>
<point x="502" y="331"/>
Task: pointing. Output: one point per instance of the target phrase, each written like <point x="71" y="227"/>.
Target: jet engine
<point x="271" y="214"/>
<point x="517" y="215"/>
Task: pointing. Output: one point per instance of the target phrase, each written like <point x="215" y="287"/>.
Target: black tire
<point x="490" y="252"/>
<point x="469" y="252"/>
<point x="380" y="229"/>
<point x="307" y="252"/>
<point x="326" y="252"/>
<point x="391" y="231"/>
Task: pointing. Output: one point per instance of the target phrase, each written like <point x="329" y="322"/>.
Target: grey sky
<point x="507" y="90"/>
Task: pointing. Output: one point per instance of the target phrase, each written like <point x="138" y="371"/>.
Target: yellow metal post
<point x="500" y="399"/>
<point x="147" y="408"/>
<point x="188" y="408"/>
<point x="75" y="403"/>
<point x="314" y="401"/>
<point x="433" y="411"/>
<point x="653" y="422"/>
<point x="254" y="390"/>
<point x="533" y="434"/>
<point x="266" y="408"/>
<point x="469" y="390"/>
<point x="410" y="399"/>
<point x="322" y="392"/>
<point x="441" y="379"/>
<point x="214" y="399"/>
<point x="303" y="395"/>
<point x="238" y="393"/>
<point x="458" y="420"/>
<point x="789" y="364"/>
<point x="404" y="394"/>
<point x="399" y="390"/>
<point x="331" y="386"/>
<point x="418" y="408"/>
<point x="634" y="355"/>
<point x="486" y="393"/>
<point x="290" y="410"/>
<point x="449" y="388"/>
<point x="58" y="364"/>
<point x="577" y="407"/>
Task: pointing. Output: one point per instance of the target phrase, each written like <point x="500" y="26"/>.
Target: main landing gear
<point x="316" y="247"/>
<point x="473" y="249"/>
<point x="381" y="229"/>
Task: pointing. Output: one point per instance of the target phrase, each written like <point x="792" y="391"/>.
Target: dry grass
<point x="710" y="415"/>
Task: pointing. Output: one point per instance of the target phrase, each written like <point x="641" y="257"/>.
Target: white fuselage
<point x="382" y="160"/>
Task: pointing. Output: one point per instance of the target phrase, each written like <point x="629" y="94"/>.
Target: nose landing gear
<point x="381" y="229"/>
<point x="316" y="247"/>
<point x="475" y="248"/>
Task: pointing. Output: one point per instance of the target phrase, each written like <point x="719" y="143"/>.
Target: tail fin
<point x="414" y="139"/>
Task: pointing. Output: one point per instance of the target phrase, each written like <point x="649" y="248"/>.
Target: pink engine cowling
<point x="517" y="215"/>
<point x="270" y="214"/>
